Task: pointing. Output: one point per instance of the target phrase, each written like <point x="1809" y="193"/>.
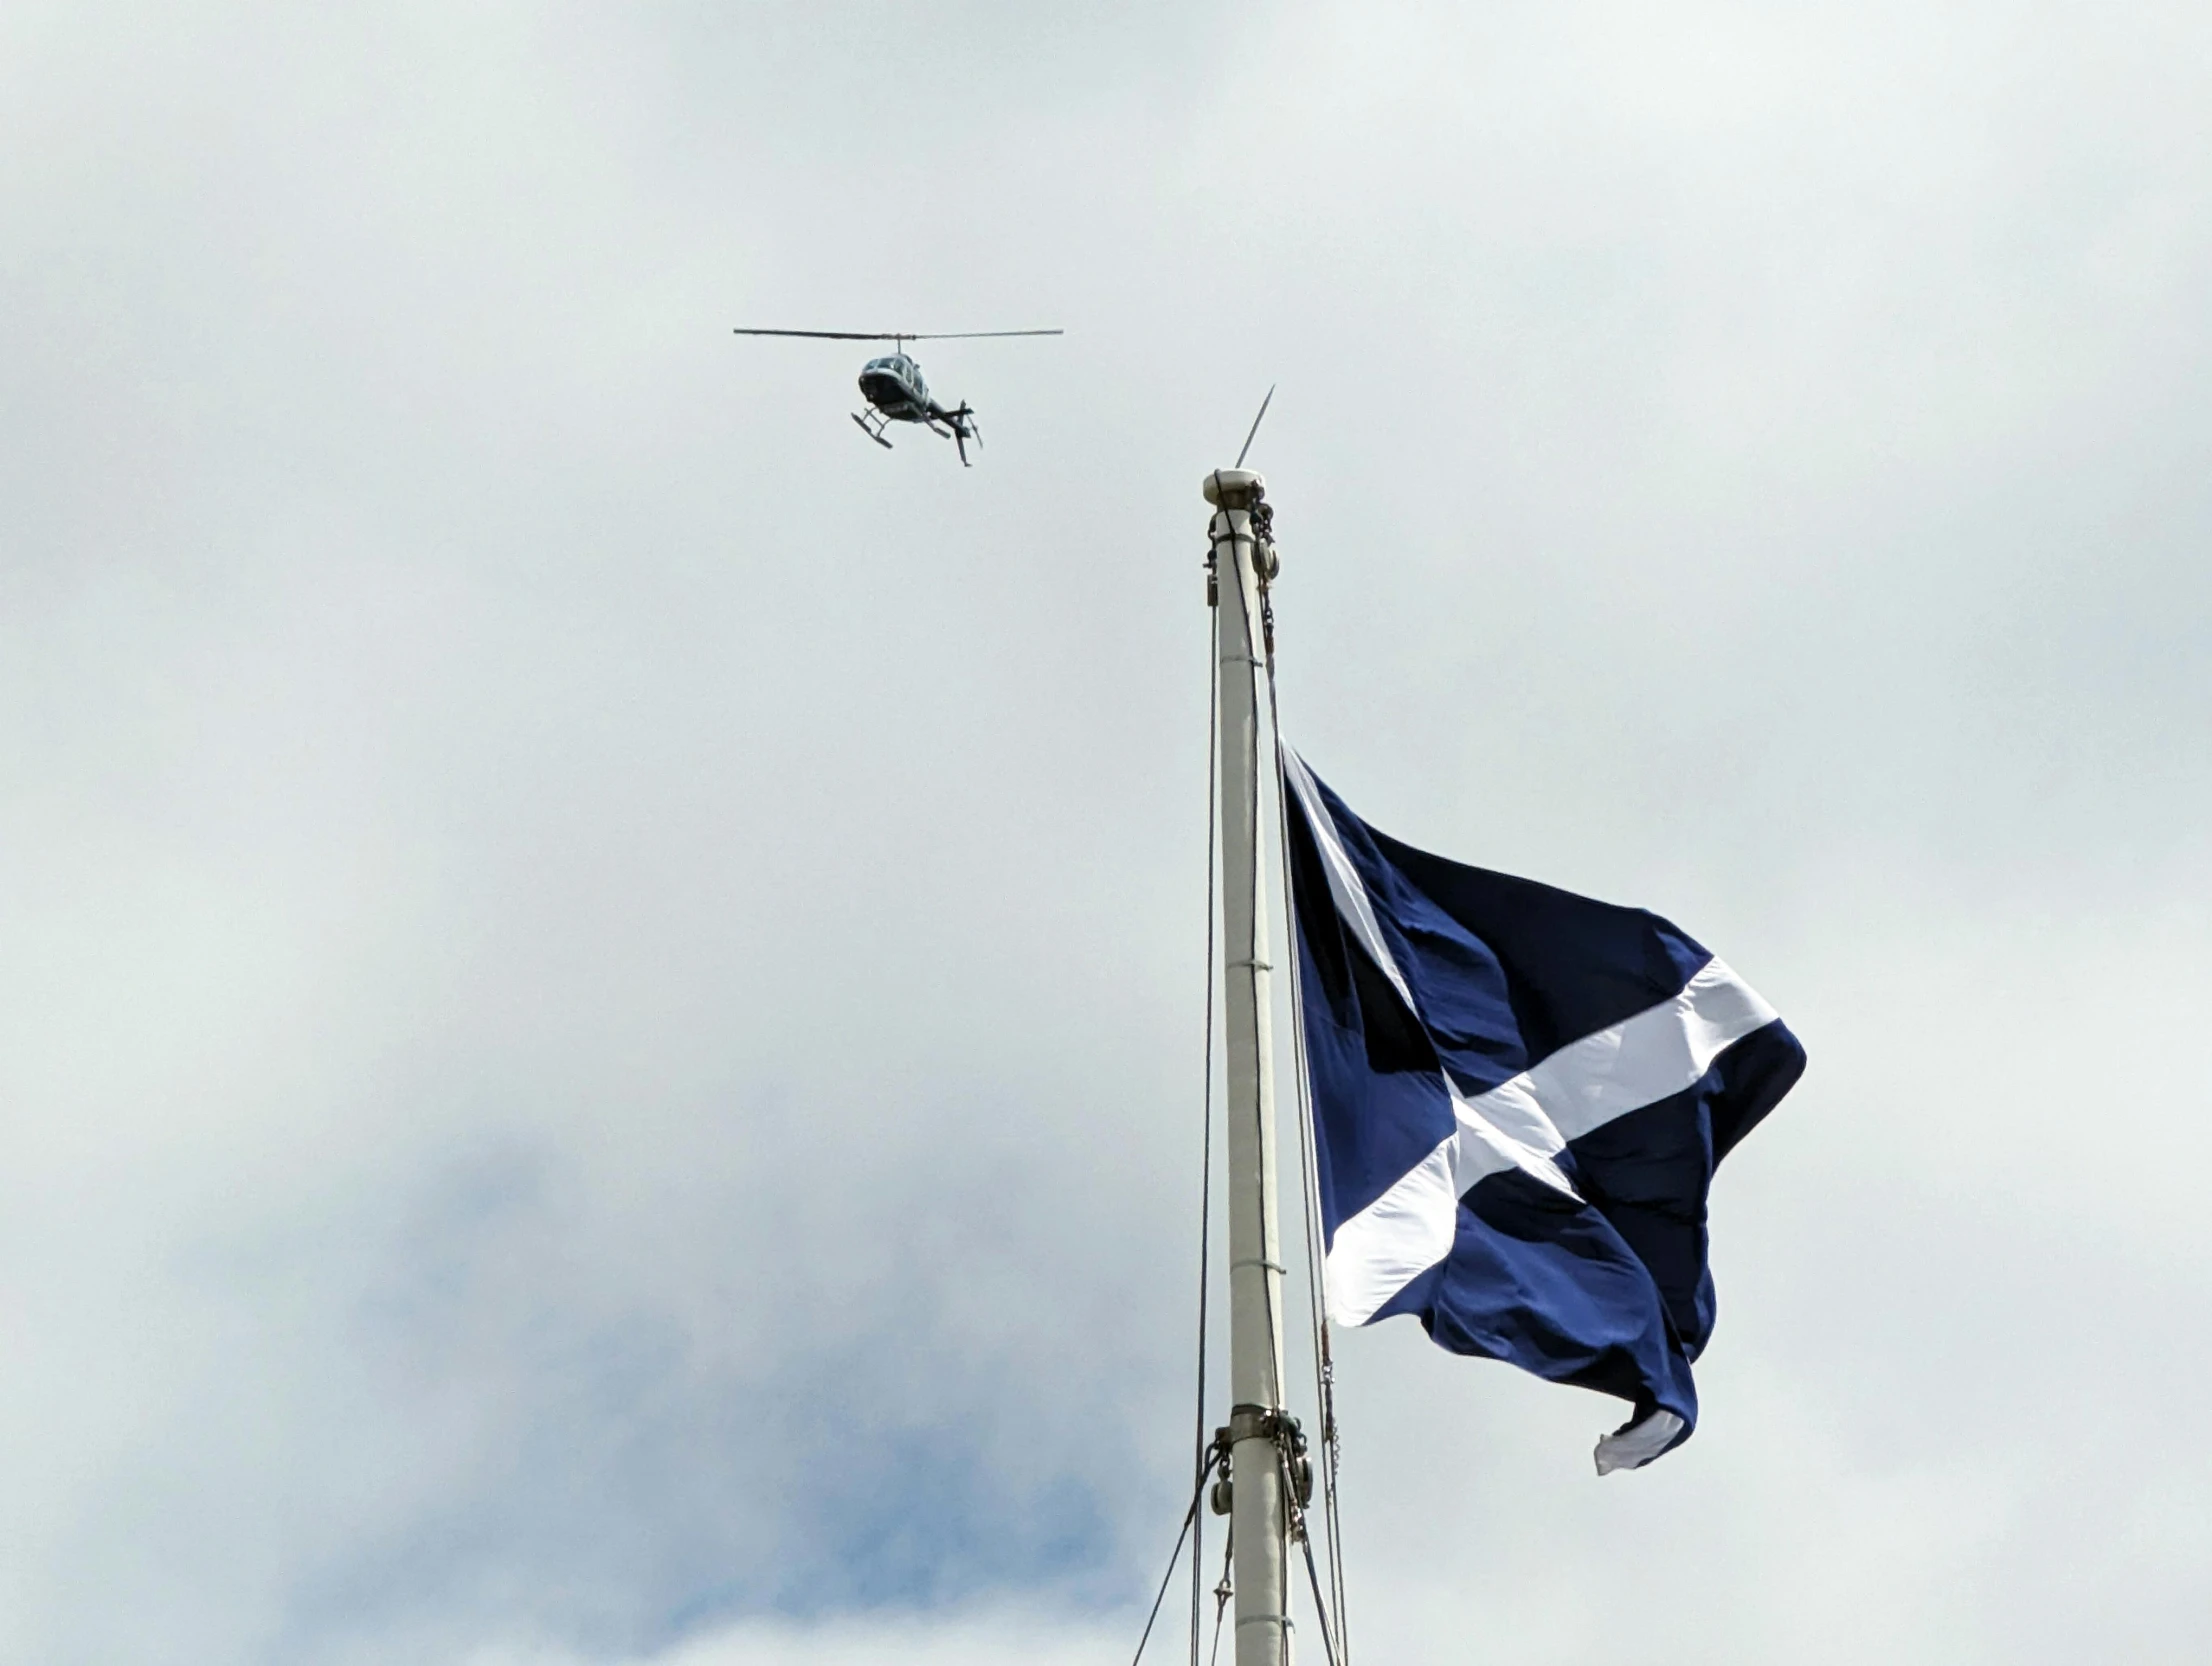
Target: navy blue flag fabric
<point x="1519" y="1098"/>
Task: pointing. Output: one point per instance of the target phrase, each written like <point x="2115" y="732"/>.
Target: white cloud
<point x="599" y="1047"/>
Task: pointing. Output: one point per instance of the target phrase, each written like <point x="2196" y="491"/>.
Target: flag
<point x="1519" y="1097"/>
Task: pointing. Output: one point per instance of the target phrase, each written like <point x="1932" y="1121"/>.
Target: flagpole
<point x="1242" y="562"/>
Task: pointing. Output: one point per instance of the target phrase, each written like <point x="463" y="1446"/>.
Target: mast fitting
<point x="1280" y="1430"/>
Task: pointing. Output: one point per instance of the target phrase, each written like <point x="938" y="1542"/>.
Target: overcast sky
<point x="599" y="1053"/>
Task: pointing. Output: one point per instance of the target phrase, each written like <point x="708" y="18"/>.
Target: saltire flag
<point x="1519" y="1097"/>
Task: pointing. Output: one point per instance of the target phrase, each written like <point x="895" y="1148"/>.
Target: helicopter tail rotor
<point x="964" y="429"/>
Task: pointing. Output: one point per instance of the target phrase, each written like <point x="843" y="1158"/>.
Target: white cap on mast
<point x="1236" y="482"/>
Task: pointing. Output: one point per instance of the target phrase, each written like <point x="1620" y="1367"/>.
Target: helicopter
<point x="895" y="390"/>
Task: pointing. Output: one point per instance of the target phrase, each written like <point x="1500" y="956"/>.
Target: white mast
<point x="1242" y="563"/>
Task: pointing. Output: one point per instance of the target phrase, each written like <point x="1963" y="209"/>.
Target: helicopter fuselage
<point x="895" y="392"/>
<point x="893" y="385"/>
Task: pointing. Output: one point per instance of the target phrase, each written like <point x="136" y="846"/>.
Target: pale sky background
<point x="599" y="1050"/>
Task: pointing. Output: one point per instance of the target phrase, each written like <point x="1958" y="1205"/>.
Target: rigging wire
<point x="1320" y="1603"/>
<point x="1174" y="1556"/>
<point x="1324" y="1364"/>
<point x="1301" y="1531"/>
<point x="1259" y="634"/>
<point x="1222" y="1592"/>
<point x="1206" y="1136"/>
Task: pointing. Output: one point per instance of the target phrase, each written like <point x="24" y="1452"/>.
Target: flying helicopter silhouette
<point x="895" y="390"/>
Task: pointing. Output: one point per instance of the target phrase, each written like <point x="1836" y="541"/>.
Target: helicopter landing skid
<point x="873" y="433"/>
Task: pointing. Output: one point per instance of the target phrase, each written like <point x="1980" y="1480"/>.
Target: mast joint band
<point x="1249" y="1422"/>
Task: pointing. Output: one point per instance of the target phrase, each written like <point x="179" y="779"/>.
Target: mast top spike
<point x="1246" y="449"/>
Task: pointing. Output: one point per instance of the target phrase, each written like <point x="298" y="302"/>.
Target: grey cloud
<point x="601" y="1045"/>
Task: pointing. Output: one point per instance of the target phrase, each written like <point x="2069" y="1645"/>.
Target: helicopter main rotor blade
<point x="827" y="335"/>
<point x="897" y="335"/>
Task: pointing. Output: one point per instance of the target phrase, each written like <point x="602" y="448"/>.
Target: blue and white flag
<point x="1519" y="1097"/>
